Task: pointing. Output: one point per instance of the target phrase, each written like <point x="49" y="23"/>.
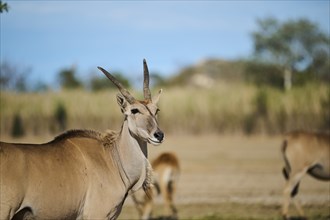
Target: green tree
<point x="3" y="7"/>
<point x="295" y="45"/>
<point x="263" y="74"/>
<point x="13" y="77"/>
<point x="68" y="79"/>
<point x="99" y="83"/>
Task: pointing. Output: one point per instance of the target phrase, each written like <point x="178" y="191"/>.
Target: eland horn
<point x="121" y="88"/>
<point x="146" y="90"/>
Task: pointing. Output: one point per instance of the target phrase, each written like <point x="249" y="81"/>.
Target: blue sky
<point x="48" y="36"/>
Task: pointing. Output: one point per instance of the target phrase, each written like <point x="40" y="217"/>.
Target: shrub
<point x="261" y="103"/>
<point x="325" y="105"/>
<point x="17" y="128"/>
<point x="61" y="116"/>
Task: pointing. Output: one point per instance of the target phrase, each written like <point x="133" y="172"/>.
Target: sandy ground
<point x="228" y="175"/>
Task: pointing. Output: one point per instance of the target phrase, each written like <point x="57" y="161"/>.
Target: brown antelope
<point x="166" y="173"/>
<point x="304" y="152"/>
<point x="82" y="174"/>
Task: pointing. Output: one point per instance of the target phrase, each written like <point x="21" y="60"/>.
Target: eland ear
<point x="155" y="99"/>
<point x="122" y="102"/>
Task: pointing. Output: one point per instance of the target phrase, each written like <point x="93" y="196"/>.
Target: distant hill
<point x="208" y="72"/>
<point x="211" y="72"/>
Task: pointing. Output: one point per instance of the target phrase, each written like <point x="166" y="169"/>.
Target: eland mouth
<point x="154" y="142"/>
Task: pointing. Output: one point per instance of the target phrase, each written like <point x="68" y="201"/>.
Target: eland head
<point x="140" y="114"/>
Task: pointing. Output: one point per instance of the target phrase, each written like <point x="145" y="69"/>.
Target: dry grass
<point x="233" y="108"/>
<point x="84" y="110"/>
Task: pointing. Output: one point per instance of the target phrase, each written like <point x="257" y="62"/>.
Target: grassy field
<point x="225" y="109"/>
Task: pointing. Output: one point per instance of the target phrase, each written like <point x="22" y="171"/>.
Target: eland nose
<point x="159" y="135"/>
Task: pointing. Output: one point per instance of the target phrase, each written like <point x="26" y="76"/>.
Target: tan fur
<point x="81" y="174"/>
<point x="304" y="152"/>
<point x="166" y="173"/>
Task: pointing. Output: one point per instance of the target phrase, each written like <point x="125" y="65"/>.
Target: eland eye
<point x="134" y="111"/>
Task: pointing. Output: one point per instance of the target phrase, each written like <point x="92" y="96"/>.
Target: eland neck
<point x="133" y="154"/>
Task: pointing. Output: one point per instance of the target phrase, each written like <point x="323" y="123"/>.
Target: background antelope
<point x="166" y="173"/>
<point x="304" y="152"/>
<point x="82" y="174"/>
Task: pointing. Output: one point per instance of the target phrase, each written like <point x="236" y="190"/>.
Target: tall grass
<point x="39" y="111"/>
<point x="247" y="109"/>
<point x="222" y="109"/>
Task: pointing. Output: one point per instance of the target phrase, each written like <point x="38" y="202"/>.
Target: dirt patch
<point x="234" y="177"/>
